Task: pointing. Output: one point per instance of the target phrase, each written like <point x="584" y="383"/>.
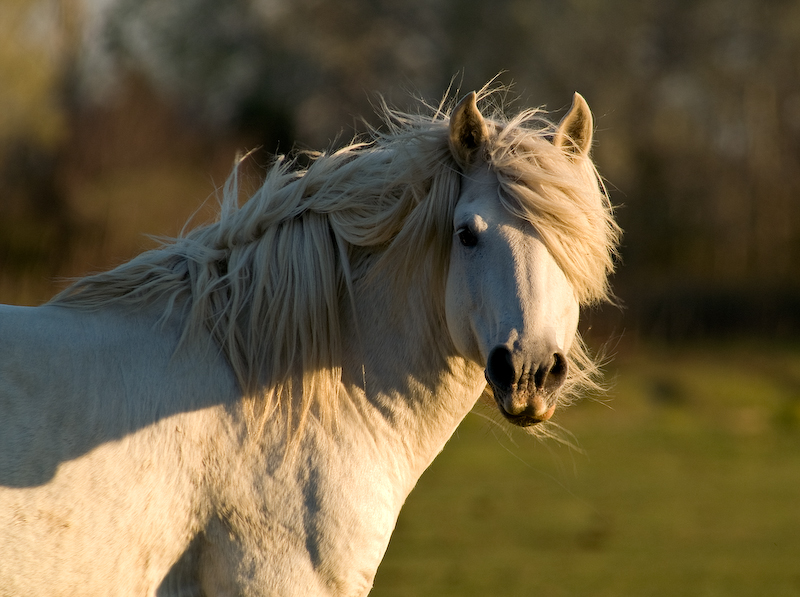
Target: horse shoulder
<point x="313" y="521"/>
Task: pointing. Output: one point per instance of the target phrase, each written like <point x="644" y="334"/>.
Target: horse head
<point x="509" y="306"/>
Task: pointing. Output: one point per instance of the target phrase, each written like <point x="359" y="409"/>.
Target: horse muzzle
<point x="525" y="393"/>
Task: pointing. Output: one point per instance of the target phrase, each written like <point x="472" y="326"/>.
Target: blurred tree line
<point x="118" y="117"/>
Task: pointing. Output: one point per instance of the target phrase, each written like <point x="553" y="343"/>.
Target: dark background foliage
<point x="122" y="116"/>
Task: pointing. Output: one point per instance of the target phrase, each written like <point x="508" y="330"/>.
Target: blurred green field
<point x="687" y="482"/>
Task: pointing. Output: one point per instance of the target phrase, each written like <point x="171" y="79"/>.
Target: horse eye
<point x="467" y="237"/>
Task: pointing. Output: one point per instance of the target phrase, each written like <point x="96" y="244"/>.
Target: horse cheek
<point x="460" y="311"/>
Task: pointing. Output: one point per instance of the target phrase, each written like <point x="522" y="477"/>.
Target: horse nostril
<point x="500" y="369"/>
<point x="549" y="376"/>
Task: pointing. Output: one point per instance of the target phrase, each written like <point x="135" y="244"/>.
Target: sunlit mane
<point x="269" y="278"/>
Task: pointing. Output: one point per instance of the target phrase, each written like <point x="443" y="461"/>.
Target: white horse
<point x="244" y="410"/>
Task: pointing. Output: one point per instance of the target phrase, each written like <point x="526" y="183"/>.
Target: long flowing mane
<point x="270" y="277"/>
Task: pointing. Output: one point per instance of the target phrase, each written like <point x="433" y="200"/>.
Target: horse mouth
<point x="524" y="419"/>
<point x="525" y="395"/>
<point x="521" y="420"/>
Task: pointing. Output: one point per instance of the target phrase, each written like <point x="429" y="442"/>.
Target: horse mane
<point x="270" y="277"/>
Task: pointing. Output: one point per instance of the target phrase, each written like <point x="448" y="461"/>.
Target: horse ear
<point x="468" y="130"/>
<point x="574" y="132"/>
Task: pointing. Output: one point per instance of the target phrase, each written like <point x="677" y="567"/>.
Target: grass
<point x="688" y="483"/>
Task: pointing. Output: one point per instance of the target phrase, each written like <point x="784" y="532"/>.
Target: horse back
<point x="104" y="429"/>
<point x="65" y="385"/>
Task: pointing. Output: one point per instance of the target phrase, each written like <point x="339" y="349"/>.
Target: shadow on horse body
<point x="244" y="410"/>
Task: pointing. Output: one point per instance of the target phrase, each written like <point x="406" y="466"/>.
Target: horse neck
<point x="403" y="374"/>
